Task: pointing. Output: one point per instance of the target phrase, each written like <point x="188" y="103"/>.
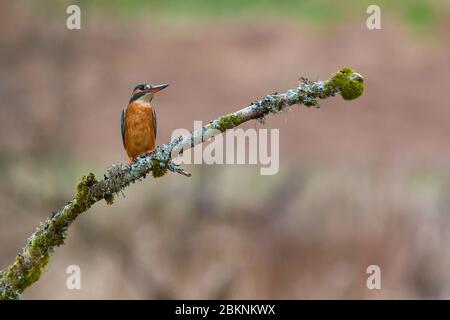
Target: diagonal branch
<point x="30" y="262"/>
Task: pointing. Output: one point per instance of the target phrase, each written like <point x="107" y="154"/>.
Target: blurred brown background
<point x="360" y="183"/>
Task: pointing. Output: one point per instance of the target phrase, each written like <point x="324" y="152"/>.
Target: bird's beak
<point x="158" y="87"/>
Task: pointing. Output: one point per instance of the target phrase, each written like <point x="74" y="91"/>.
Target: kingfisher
<point x="138" y="121"/>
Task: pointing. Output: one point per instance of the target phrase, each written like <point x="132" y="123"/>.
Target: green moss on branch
<point x="30" y="263"/>
<point x="228" y="121"/>
<point x="158" y="168"/>
<point x="349" y="83"/>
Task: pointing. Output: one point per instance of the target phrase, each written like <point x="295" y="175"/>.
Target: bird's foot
<point x="148" y="153"/>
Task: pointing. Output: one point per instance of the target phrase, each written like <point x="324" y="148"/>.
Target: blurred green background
<point x="360" y="183"/>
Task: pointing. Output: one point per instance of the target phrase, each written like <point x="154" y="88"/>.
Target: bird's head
<point x="145" y="91"/>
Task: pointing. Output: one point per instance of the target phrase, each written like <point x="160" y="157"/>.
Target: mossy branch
<point x="33" y="258"/>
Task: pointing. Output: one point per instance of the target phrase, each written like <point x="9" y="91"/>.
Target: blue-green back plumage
<point x="122" y="127"/>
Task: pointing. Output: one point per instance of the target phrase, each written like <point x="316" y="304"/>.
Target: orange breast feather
<point x="139" y="133"/>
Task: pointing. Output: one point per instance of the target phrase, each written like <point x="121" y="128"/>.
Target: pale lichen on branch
<point x="33" y="258"/>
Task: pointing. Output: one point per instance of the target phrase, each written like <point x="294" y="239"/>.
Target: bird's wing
<point x="155" y="125"/>
<point x="122" y="126"/>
